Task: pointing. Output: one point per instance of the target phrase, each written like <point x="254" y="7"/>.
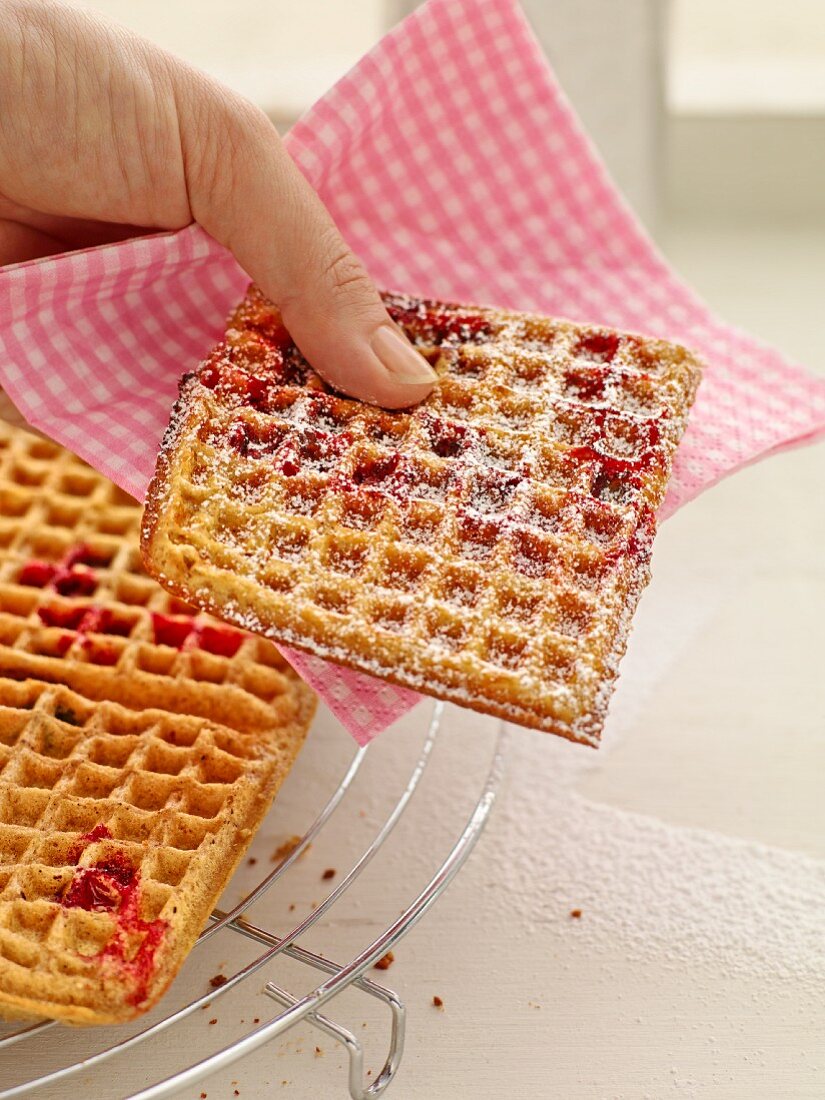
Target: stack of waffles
<point x="141" y="743"/>
<point x="488" y="546"/>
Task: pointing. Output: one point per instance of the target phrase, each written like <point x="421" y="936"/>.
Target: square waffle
<point x="141" y="743"/>
<point x="487" y="547"/>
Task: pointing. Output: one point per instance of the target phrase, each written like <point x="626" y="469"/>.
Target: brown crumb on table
<point x="575" y="913"/>
<point x="385" y="962"/>
<point x="292" y="907"/>
<point x="237" y="1093"/>
<point x="285" y="850"/>
<point x="437" y="1001"/>
<point x="252" y="861"/>
<point x="203" y="1096"/>
<point x="329" y="873"/>
<point x="318" y="1052"/>
<point x="213" y="1021"/>
<point x="218" y="980"/>
<point x="257" y="1020"/>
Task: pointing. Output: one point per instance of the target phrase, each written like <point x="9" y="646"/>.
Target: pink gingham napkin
<point x="454" y="165"/>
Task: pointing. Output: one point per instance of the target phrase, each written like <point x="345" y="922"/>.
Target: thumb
<point x="245" y="190"/>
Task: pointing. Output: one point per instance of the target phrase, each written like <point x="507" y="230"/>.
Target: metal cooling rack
<point x="339" y="976"/>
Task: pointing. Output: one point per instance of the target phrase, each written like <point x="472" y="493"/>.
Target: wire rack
<point x="337" y="976"/>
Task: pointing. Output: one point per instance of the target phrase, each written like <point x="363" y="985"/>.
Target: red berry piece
<point x="447" y="438"/>
<point x="97" y="620"/>
<point x="374" y="471"/>
<point x="464" y="328"/>
<point x="37" y="574"/>
<point x="74" y="582"/>
<point x="479" y="529"/>
<point x="257" y="390"/>
<point x="82" y="554"/>
<point x="219" y="640"/>
<point x="238" y="437"/>
<point x="210" y="376"/>
<point x="170" y="631"/>
<point x="101" y="654"/>
<point x="66" y="618"/>
<point x="601" y="347"/>
<point x="587" y="385"/>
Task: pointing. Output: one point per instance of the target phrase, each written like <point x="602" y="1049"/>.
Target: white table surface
<point x="692" y="842"/>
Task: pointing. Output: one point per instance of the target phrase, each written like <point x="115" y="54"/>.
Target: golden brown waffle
<point x="140" y="746"/>
<point x="488" y="546"/>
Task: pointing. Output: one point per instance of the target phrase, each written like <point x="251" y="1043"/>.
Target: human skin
<point x="104" y="135"/>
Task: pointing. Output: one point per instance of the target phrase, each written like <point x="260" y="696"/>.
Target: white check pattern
<point x="455" y="167"/>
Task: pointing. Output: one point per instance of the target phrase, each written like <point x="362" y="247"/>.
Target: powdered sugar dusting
<point x="652" y="890"/>
<point x="690" y="895"/>
<point x="538" y="461"/>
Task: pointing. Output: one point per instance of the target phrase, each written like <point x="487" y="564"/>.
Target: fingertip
<point x="403" y="395"/>
<point x="373" y="363"/>
<point x="404" y="365"/>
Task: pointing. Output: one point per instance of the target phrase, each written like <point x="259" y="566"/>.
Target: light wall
<point x="282" y="54"/>
<point x="747" y="56"/>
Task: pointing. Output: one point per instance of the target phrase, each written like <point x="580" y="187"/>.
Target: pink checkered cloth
<point x="455" y="167"/>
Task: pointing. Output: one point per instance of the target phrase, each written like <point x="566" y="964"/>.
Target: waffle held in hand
<point x="487" y="547"/>
<point x="140" y="746"/>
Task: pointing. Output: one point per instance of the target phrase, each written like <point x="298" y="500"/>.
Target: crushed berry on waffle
<point x="140" y="745"/>
<point x="409" y="544"/>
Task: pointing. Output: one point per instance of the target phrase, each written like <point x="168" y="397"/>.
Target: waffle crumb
<point x="385" y="962"/>
<point x="214" y="1020"/>
<point x="328" y="874"/>
<point x="285" y="850"/>
<point x="218" y="980"/>
<point x="575" y="914"/>
<point x="318" y="1052"/>
<point x="140" y="745"/>
<point x="437" y="1001"/>
<point x="488" y="546"/>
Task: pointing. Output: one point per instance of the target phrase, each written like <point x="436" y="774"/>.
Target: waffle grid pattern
<point x="488" y="546"/>
<point x="117" y="750"/>
<point x="434" y="194"/>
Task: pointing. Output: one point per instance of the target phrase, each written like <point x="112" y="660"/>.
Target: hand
<point x="103" y="135"/>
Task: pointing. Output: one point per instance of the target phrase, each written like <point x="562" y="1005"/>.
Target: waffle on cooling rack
<point x="488" y="546"/>
<point x="140" y="746"/>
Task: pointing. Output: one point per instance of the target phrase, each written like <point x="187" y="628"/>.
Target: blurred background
<point x="709" y="113"/>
